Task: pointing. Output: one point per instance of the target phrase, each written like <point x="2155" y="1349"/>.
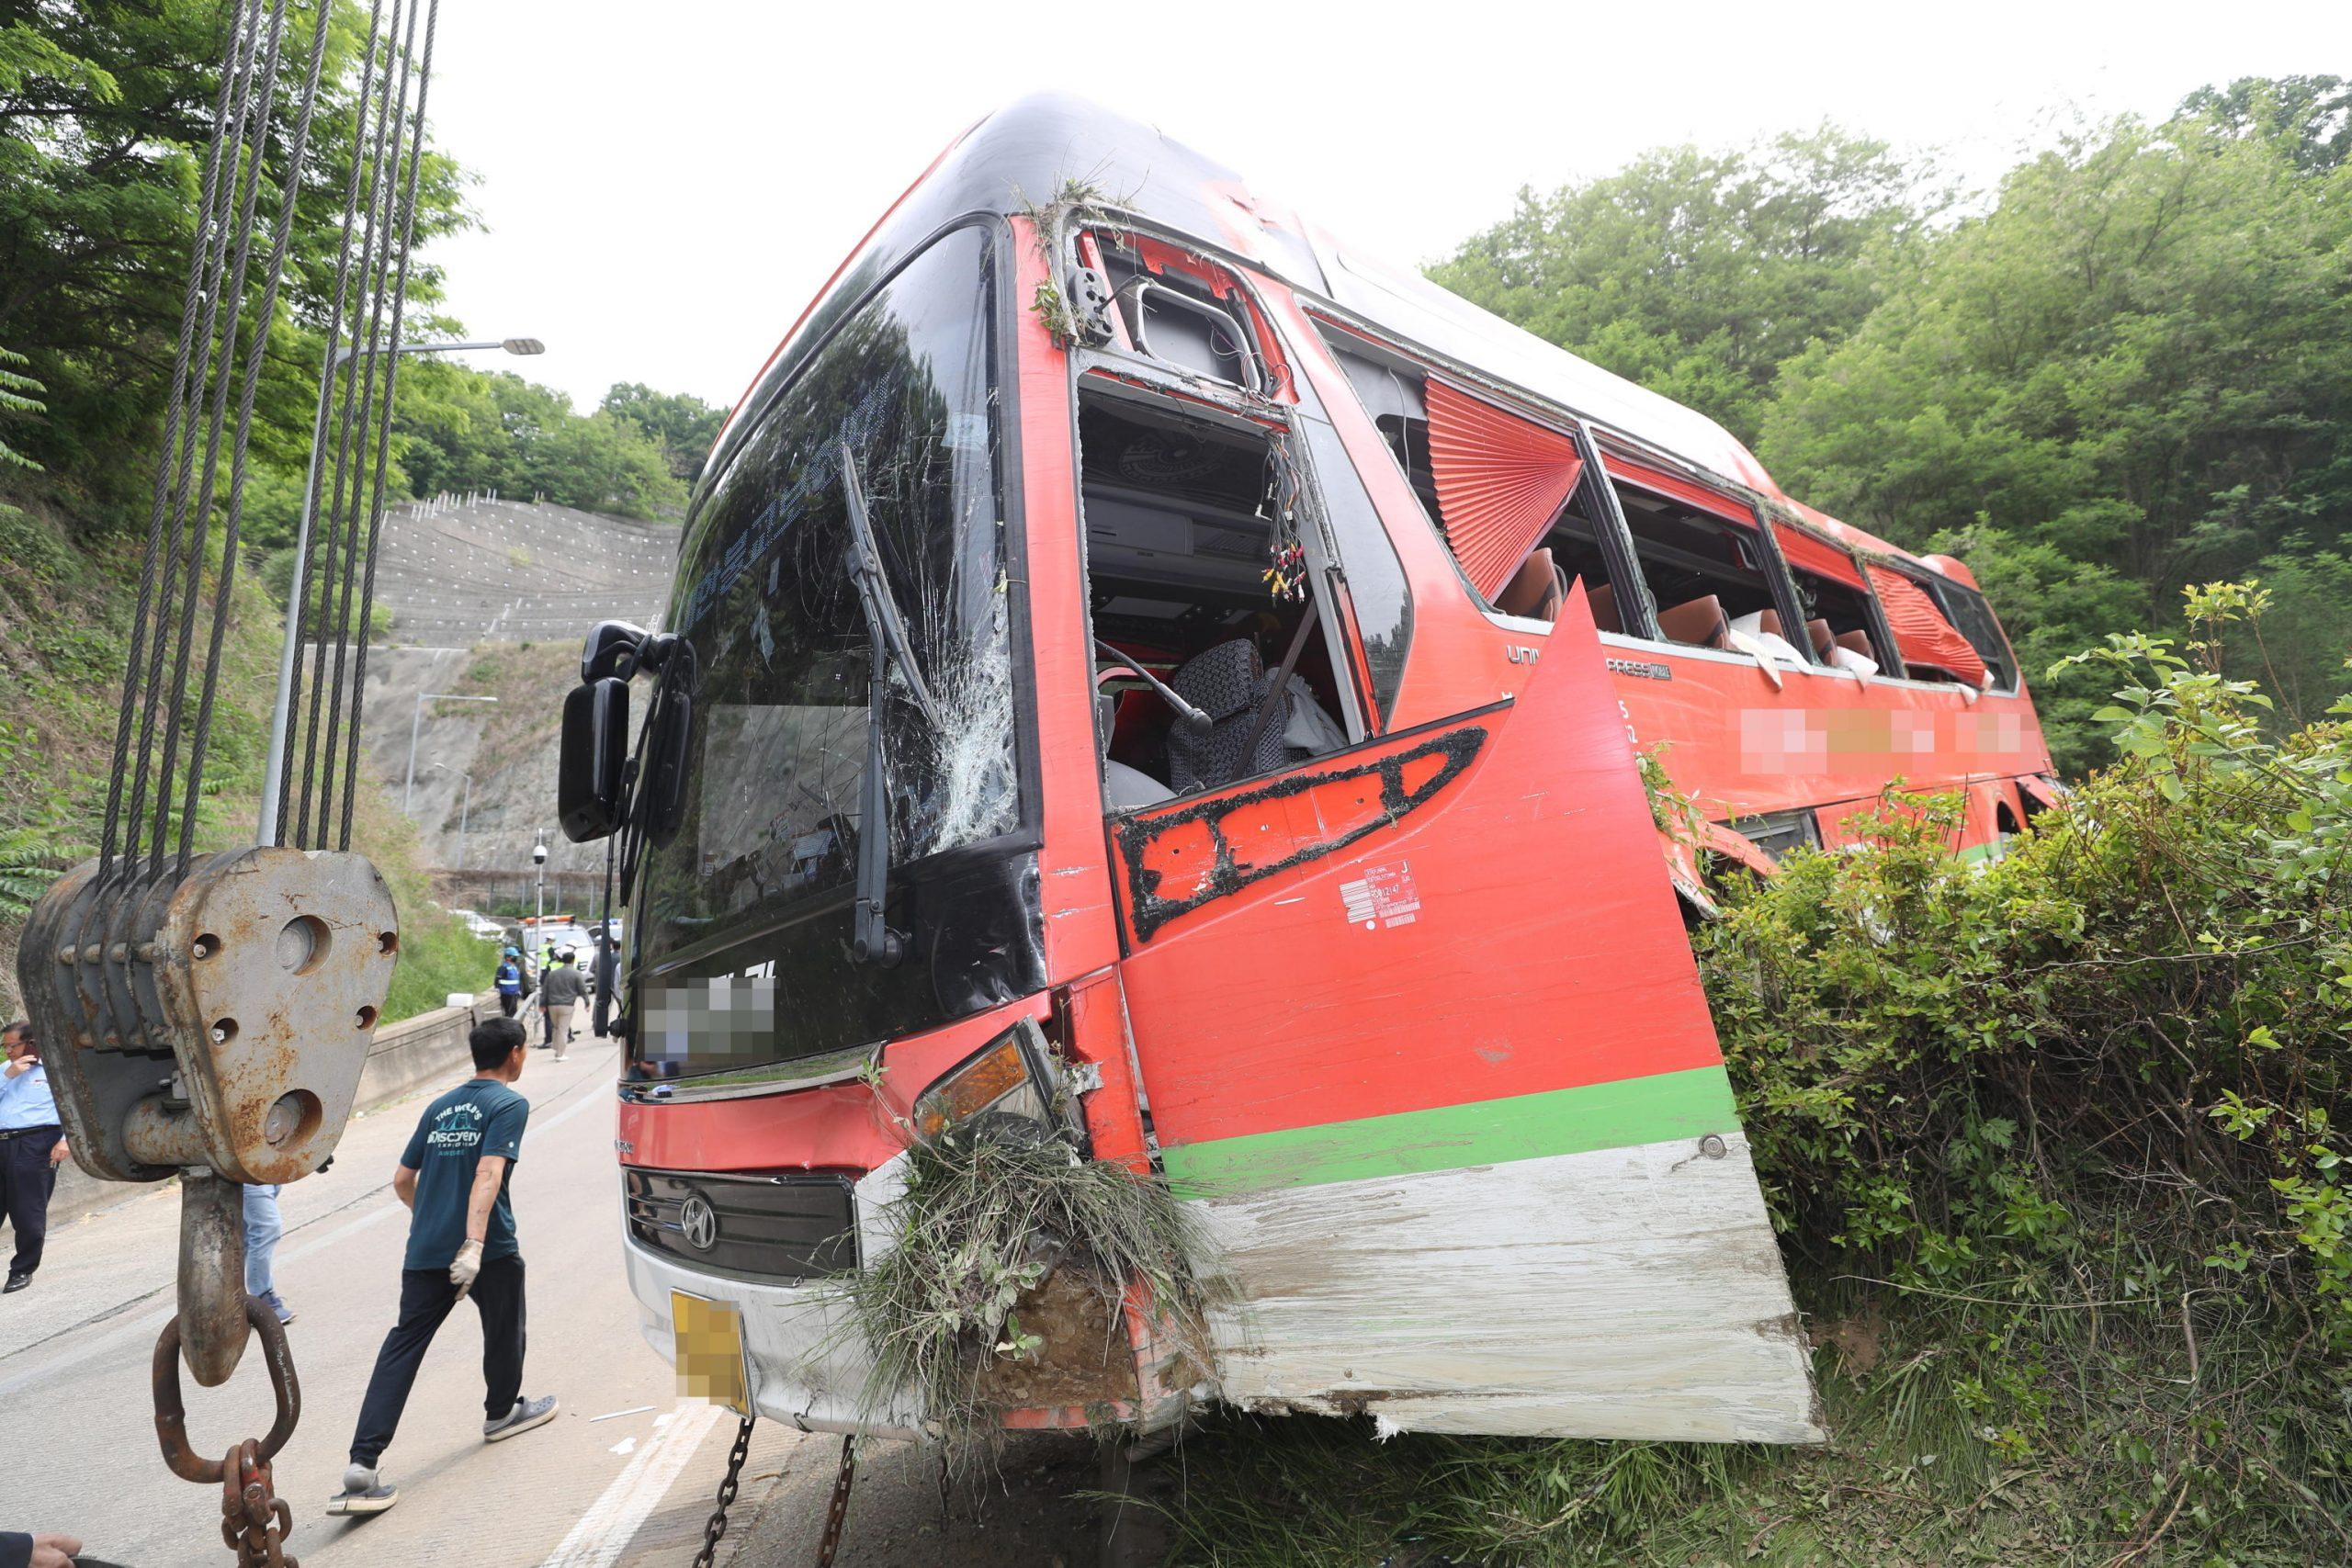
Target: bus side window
<point x="1706" y="573"/>
<point x="1836" y="599"/>
<point x="1551" y="544"/>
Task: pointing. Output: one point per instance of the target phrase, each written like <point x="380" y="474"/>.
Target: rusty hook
<point x="171" y="1409"/>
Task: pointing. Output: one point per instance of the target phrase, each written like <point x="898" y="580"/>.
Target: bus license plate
<point x="708" y="1340"/>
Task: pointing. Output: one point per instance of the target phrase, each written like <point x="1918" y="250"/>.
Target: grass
<point x="1963" y="1433"/>
<point x="989" y="1211"/>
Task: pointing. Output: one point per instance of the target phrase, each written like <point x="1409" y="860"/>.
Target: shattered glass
<point x="765" y="594"/>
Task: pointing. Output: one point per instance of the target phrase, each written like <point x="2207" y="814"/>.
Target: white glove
<point x="467" y="1268"/>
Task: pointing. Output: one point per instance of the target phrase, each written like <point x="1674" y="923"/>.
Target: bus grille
<point x="785" y="1228"/>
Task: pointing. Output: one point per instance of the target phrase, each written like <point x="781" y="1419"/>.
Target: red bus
<point x="1247" y="650"/>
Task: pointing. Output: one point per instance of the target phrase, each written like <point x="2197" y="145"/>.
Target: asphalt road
<point x="623" y="1477"/>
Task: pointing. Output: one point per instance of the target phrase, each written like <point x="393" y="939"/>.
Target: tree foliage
<point x="683" y="425"/>
<point x="1697" y="274"/>
<point x="105" y="110"/>
<point x="462" y="429"/>
<point x="2129" y="368"/>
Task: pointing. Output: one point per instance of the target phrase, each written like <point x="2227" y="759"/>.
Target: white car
<point x="480" y="926"/>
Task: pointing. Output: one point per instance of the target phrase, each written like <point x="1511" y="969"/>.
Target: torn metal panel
<point x="1623" y="1292"/>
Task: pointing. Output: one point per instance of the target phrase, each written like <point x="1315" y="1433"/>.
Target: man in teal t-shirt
<point x="454" y="1176"/>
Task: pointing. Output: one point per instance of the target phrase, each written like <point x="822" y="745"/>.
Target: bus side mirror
<point x="595" y="751"/>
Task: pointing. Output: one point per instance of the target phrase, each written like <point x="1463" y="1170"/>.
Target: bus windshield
<point x="780" y="644"/>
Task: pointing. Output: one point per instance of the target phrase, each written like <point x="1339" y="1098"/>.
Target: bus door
<point x="1418" y="1028"/>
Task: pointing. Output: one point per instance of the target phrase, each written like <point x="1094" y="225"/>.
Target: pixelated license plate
<point x="708" y="1337"/>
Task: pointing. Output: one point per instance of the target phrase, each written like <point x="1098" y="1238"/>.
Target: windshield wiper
<point x="871" y="940"/>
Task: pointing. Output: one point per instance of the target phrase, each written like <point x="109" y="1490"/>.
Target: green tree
<point x="1698" y="273"/>
<point x="105" y="110"/>
<point x="463" y="429"/>
<point x="2140" y="358"/>
<point x="682" y="425"/>
<point x="19" y="394"/>
<point x="2310" y="115"/>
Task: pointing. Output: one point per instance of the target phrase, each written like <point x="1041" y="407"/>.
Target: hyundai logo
<point x="698" y="1223"/>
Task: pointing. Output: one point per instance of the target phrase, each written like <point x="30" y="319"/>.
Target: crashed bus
<point x="1132" y="652"/>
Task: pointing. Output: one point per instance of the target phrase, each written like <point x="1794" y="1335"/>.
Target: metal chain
<point x="837" y="1511"/>
<point x="254" y="1519"/>
<point x="716" y="1526"/>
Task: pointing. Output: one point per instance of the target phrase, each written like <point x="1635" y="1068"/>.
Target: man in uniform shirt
<point x="461" y="1240"/>
<point x="560" y="990"/>
<point x="32" y="1145"/>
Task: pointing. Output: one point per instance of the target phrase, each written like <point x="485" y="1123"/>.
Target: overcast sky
<point x="663" y="186"/>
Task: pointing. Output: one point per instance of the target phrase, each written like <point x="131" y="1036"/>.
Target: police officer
<point x="32" y="1145"/>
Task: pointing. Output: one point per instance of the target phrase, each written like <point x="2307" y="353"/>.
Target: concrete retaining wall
<point x="426" y="1051"/>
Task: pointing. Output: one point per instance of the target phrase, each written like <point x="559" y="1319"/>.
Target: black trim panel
<point x="1150" y="912"/>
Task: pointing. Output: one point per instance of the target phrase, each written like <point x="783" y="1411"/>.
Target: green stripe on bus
<point x="1630" y="1111"/>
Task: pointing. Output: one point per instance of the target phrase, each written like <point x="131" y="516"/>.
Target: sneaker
<point x="277" y="1304"/>
<point x="15" y="1283"/>
<point x="527" y="1413"/>
<point x="366" y="1490"/>
<point x="560" y="1055"/>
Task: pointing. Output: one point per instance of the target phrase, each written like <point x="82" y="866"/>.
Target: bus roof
<point x="1025" y="154"/>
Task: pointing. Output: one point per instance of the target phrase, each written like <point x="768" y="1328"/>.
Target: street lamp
<point x="408" y="793"/>
<point x="280" y="716"/>
<point x="540" y="860"/>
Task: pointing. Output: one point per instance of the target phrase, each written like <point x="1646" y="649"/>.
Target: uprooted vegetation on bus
<point x="1016" y="1275"/>
<point x="2056" y="1146"/>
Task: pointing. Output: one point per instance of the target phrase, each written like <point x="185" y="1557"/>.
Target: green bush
<point x="2135" y="1022"/>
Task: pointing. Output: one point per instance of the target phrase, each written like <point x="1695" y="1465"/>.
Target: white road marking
<point x="605" y="1531"/>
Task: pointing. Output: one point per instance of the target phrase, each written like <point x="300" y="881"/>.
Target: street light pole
<point x="539" y="859"/>
<point x="280" y="713"/>
<point x="408" y="793"/>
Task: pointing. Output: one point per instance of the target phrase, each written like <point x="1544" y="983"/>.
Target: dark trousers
<point x="427" y="1297"/>
<point x="508" y="1002"/>
<point x="27" y="1179"/>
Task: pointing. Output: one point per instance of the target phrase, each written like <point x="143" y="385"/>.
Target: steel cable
<point x="273" y="275"/>
<point x="307" y="524"/>
<point x="377" y="348"/>
<point x="180" y="359"/>
<point x="359" y="350"/>
<point x="200" y="516"/>
<point x="208" y="245"/>
<point x="384" y="431"/>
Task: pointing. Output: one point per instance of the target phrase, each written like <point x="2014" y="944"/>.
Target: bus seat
<point x="1824" y="639"/>
<point x="1769" y="622"/>
<point x="1856" y="642"/>
<point x="1227" y="682"/>
<point x="1536" y="591"/>
<point x="1604" y="602"/>
<point x="1128" y="787"/>
<point x="1699" y="622"/>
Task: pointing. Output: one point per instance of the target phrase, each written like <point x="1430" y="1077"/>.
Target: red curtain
<point x="1806" y="553"/>
<point x="1921" y="633"/>
<point x="1501" y="481"/>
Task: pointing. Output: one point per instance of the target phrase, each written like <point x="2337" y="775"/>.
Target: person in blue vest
<point x="509" y="982"/>
<point x="32" y="1145"/>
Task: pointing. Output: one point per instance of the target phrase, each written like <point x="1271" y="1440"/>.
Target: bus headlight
<point x="999" y="1081"/>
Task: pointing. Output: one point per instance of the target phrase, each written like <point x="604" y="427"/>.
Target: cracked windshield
<point x="780" y="639"/>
